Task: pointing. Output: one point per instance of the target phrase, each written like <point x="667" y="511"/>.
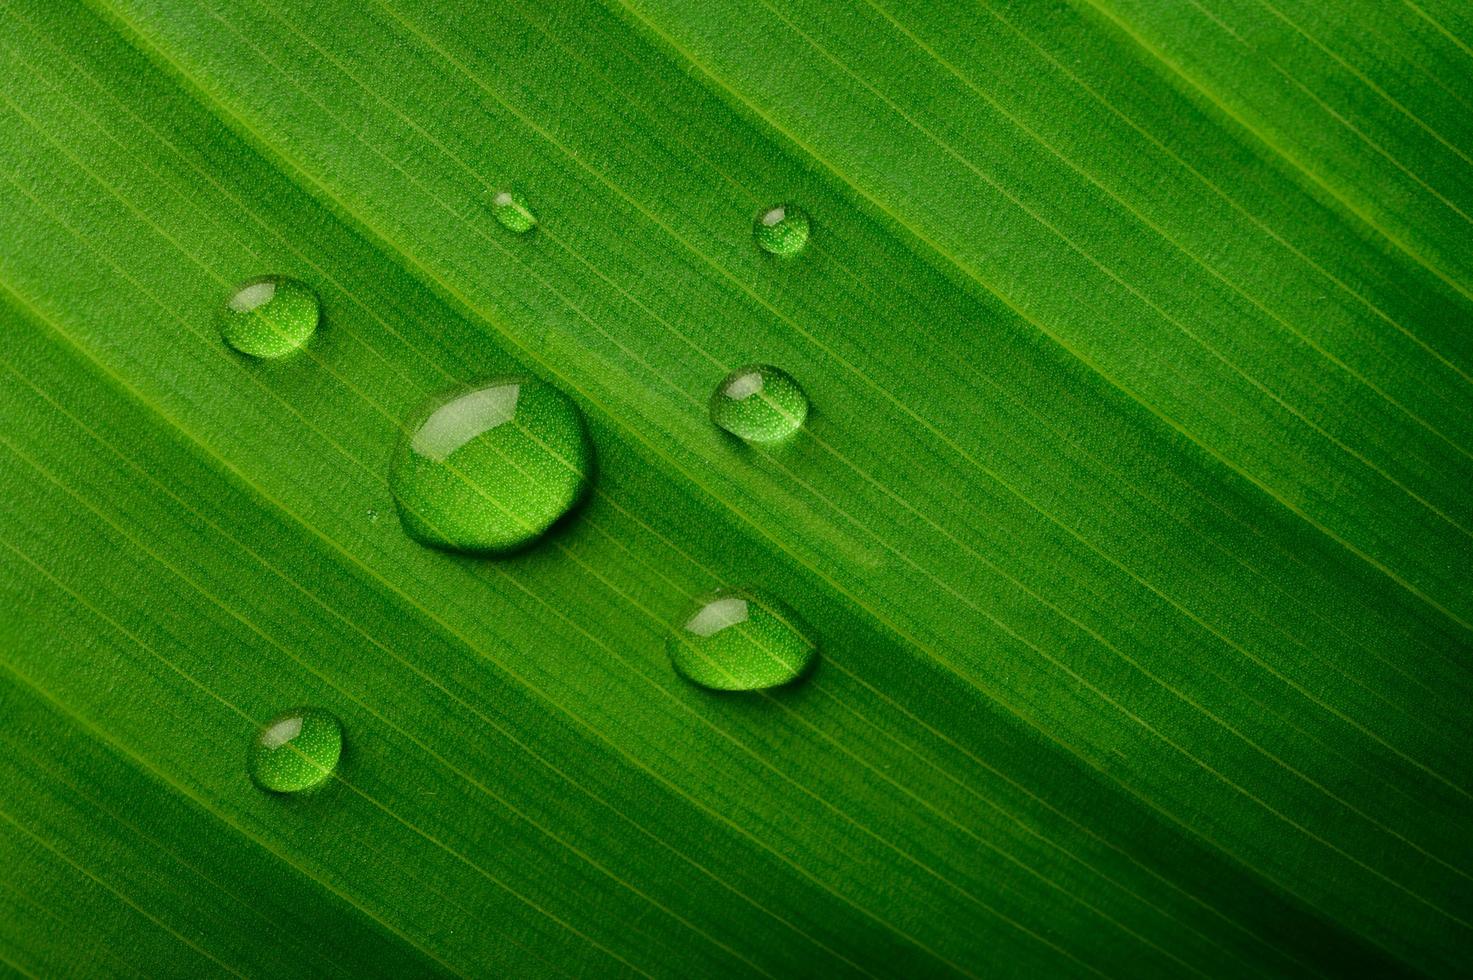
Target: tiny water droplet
<point x="488" y="469"/>
<point x="271" y="316"/>
<point x="759" y="403"/>
<point x="511" y="210"/>
<point x="782" y="230"/>
<point x="372" y="516"/>
<point x="295" y="751"/>
<point x="742" y="640"/>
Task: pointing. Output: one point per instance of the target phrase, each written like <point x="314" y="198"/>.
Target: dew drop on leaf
<point x="270" y="316"/>
<point x="511" y="211"/>
<point x="490" y="468"/>
<point x="742" y="640"/>
<point x="297" y="750"/>
<point x="759" y="403"/>
<point x="781" y="230"/>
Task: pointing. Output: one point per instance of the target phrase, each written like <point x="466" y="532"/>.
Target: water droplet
<point x="270" y="317"/>
<point x="510" y="209"/>
<point x="742" y="640"/>
<point x="759" y="403"/>
<point x="372" y="516"/>
<point x="490" y="468"/>
<point x="782" y="230"/>
<point x="295" y="751"/>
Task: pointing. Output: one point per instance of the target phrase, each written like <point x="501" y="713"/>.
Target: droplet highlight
<point x="490" y="468"/>
<point x="512" y="212"/>
<point x="270" y="317"/>
<point x="782" y="230"/>
<point x="759" y="403"/>
<point x="742" y="640"/>
<point x="296" y="751"/>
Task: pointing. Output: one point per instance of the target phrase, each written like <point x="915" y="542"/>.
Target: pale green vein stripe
<point x="659" y="571"/>
<point x="1330" y="111"/>
<point x="1279" y="151"/>
<point x="314" y="182"/>
<point x="87" y="872"/>
<point x="976" y="274"/>
<point x="848" y="463"/>
<point x="1366" y="81"/>
<point x="1162" y="233"/>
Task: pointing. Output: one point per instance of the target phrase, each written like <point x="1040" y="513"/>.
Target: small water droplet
<point x="295" y="751"/>
<point x="488" y="469"/>
<point x="372" y="516"/>
<point x="759" y="403"/>
<point x="271" y="316"/>
<point x="742" y="640"/>
<point x="511" y="210"/>
<point x="782" y="230"/>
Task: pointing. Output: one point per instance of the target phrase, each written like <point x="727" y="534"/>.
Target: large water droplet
<point x="490" y="468"/>
<point x="295" y="751"/>
<point x="270" y="316"/>
<point x="782" y="230"/>
<point x="742" y="640"/>
<point x="759" y="403"/>
<point x="511" y="210"/>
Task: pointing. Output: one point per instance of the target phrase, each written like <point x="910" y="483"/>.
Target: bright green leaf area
<point x="1133" y="516"/>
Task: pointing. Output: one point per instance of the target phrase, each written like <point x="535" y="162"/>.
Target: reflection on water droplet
<point x="511" y="210"/>
<point x="270" y="317"/>
<point x="742" y="640"/>
<point x="759" y="403"/>
<point x="489" y="469"/>
<point x="297" y="750"/>
<point x="782" y="230"/>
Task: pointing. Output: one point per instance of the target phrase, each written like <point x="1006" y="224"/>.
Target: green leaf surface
<point x="1132" y="512"/>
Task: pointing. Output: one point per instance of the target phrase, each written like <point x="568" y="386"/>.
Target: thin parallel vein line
<point x="45" y="766"/>
<point x="5" y="958"/>
<point x="420" y="744"/>
<point x="585" y="632"/>
<point x="1303" y="691"/>
<point x="959" y="827"/>
<point x="1159" y="231"/>
<point x="1421" y="69"/>
<point x="1188" y="613"/>
<point x="444" y="625"/>
<point x="1463" y="45"/>
<point x="137" y="832"/>
<point x="1332" y="113"/>
<point x="1110" y="273"/>
<point x="174" y="785"/>
<point x="1288" y="157"/>
<point x="837" y="811"/>
<point x="1366" y="81"/>
<point x="359" y="302"/>
<point x="1020" y="823"/>
<point x="22" y="898"/>
<point x="816" y="247"/>
<point x="451" y="768"/>
<point x="766" y="651"/>
<point x="375" y="641"/>
<point x="121" y="896"/>
<point x="982" y="764"/>
<point x="1139" y="721"/>
<point x="255" y="722"/>
<point x="464" y="301"/>
<point x="393" y="421"/>
<point x="670" y="328"/>
<point x="536" y="597"/>
<point x="675" y="332"/>
<point x="976" y="275"/>
<point x="1164" y="685"/>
